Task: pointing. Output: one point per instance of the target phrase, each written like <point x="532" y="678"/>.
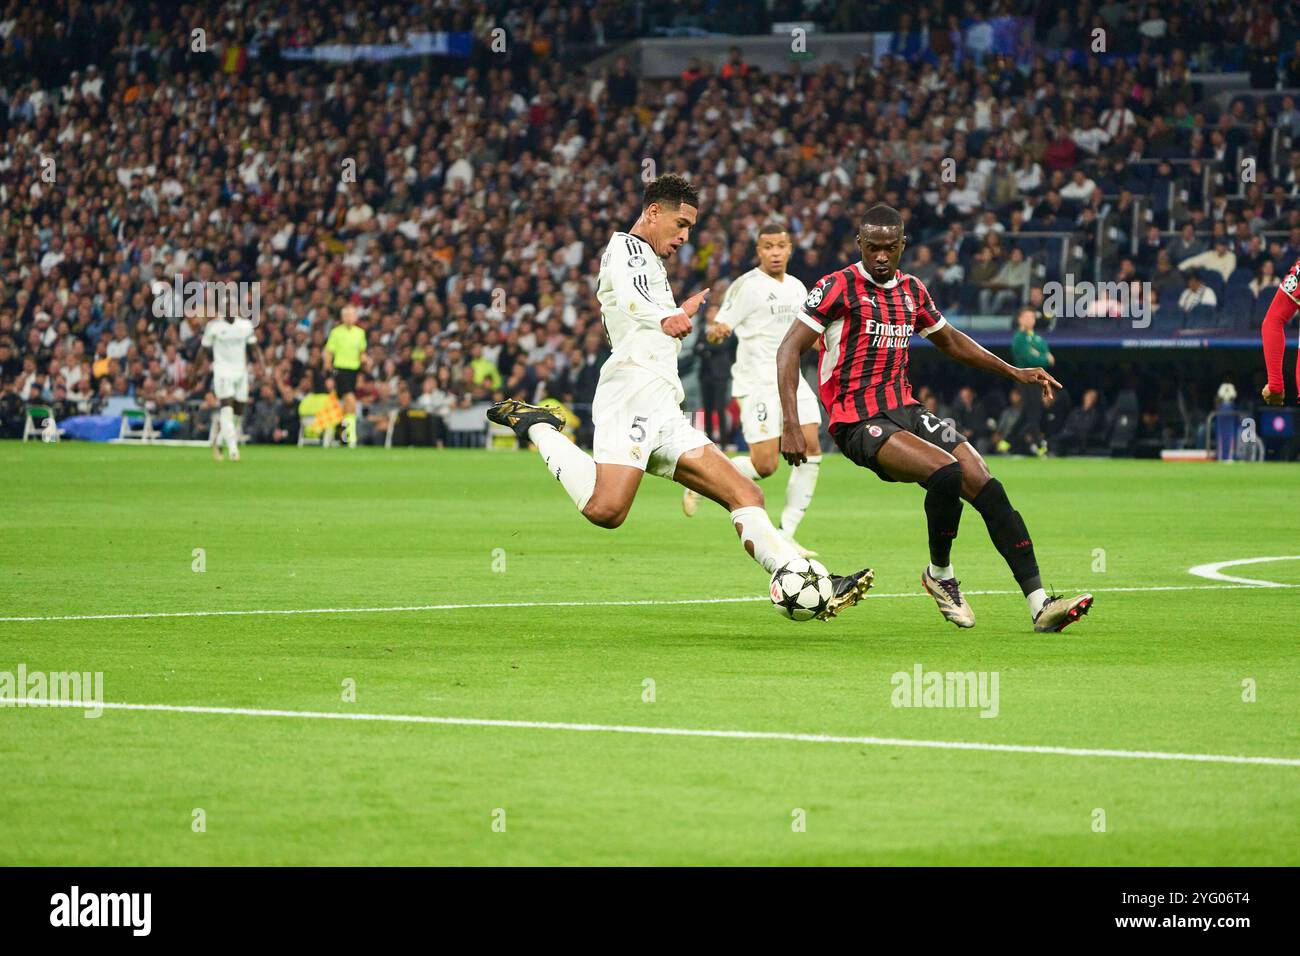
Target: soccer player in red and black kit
<point x="864" y="317"/>
<point x="1273" y="331"/>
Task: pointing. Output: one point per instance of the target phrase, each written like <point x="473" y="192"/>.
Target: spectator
<point x="1185" y="245"/>
<point x="1196" y="295"/>
<point x="735" y="67"/>
<point x="1082" y="426"/>
<point x="1029" y="350"/>
<point x="1220" y="259"/>
<point x="1006" y="290"/>
<point x="1265" y="282"/>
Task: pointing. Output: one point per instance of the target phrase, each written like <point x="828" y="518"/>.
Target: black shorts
<point x="861" y="441"/>
<point x="345" y="381"/>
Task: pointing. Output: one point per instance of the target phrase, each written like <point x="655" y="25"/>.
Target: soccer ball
<point x="801" y="589"/>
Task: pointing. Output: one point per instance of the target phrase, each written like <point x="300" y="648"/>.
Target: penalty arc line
<point x="254" y="612"/>
<point x="1214" y="570"/>
<point x="685" y="732"/>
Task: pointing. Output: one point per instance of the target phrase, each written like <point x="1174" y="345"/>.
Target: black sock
<point x="1009" y="534"/>
<point x="943" y="511"/>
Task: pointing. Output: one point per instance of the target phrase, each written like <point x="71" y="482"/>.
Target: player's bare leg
<point x="615" y="490"/>
<point x="762" y="462"/>
<point x="709" y="473"/>
<point x="602" y="493"/>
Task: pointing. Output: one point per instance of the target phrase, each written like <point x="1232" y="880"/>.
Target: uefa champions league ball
<point x="801" y="589"/>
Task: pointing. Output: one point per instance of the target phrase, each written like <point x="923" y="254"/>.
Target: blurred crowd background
<point x="462" y="202"/>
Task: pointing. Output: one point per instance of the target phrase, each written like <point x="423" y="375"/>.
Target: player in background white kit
<point x="639" y="423"/>
<point x="229" y="339"/>
<point x="758" y="308"/>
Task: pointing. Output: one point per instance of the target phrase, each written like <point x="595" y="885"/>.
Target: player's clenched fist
<point x="716" y="332"/>
<point x="677" y="325"/>
<point x="1271" y="397"/>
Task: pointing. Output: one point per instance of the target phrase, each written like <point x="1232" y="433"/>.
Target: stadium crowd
<point x="463" y="205"/>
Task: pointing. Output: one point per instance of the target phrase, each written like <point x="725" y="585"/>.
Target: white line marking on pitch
<point x="506" y="604"/>
<point x="1214" y="571"/>
<point x="686" y="732"/>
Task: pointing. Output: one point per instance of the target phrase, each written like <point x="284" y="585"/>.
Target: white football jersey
<point x="758" y="309"/>
<point x="228" y="341"/>
<point x="634" y="298"/>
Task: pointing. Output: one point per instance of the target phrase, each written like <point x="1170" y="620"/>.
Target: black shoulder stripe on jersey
<point x="642" y="285"/>
<point x="632" y="241"/>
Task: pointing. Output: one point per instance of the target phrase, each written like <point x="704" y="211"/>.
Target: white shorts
<point x="760" y="413"/>
<point x="639" y="423"/>
<point x="227" y="383"/>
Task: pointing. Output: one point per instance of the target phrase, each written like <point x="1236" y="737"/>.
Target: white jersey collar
<point x="882" y="285"/>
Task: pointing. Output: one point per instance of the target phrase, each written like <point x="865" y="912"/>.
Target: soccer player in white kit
<point x="758" y="308"/>
<point x="639" y="424"/>
<point x="229" y="339"/>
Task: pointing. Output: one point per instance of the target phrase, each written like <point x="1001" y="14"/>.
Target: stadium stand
<point x="456" y="170"/>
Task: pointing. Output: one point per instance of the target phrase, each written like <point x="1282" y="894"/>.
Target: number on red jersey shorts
<point x="861" y="441"/>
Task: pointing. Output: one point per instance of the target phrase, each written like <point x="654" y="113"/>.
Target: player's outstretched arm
<point x="798" y="339"/>
<point x="1273" y="334"/>
<point x="960" y="346"/>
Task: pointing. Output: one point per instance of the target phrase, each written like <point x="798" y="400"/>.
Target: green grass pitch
<point x="95" y="530"/>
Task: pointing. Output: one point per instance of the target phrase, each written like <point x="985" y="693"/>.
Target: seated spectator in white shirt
<point x="1080" y="188"/>
<point x="1221" y="259"/>
<point x="1196" y="294"/>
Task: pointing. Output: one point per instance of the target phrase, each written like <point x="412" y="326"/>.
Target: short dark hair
<point x="772" y="227"/>
<point x="671" y="190"/>
<point x="882" y="215"/>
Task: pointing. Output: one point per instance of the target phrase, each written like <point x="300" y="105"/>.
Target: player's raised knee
<point x="605" y="515"/>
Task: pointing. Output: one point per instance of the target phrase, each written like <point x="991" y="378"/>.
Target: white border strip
<point x="685" y="732"/>
<point x="145" y="615"/>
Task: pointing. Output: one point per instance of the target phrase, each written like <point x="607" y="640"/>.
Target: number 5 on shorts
<point x="637" y="433"/>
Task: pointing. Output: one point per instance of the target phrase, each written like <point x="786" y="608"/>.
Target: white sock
<point x="799" y="493"/>
<point x="763" y="542"/>
<point x="572" y="467"/>
<point x="942" y="574"/>
<point x="746" y="468"/>
<point x="228" y="430"/>
<point x="1036" y="601"/>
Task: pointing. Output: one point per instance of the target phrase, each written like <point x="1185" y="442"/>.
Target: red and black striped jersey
<point x="865" y="328"/>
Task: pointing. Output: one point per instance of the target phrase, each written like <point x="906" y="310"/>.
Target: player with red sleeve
<point x="1273" y="332"/>
<point x="864" y="316"/>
